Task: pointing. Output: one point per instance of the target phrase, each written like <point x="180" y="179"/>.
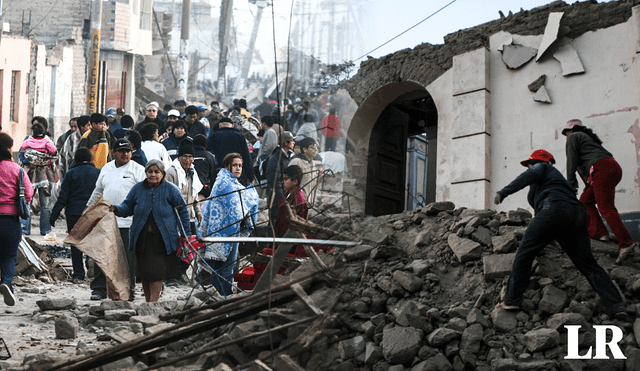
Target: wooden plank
<point x="305" y="298"/>
<point x="272" y="268"/>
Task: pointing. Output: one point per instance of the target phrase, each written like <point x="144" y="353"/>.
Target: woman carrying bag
<point x="10" y="228"/>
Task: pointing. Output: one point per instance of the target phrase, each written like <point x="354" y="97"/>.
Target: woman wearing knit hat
<point x="558" y="216"/>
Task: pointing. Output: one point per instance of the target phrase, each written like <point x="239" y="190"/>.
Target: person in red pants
<point x="600" y="173"/>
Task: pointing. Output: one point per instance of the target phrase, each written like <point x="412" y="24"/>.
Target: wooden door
<point x="386" y="163"/>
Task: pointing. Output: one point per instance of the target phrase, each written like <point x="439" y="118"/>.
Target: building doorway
<point x="392" y="174"/>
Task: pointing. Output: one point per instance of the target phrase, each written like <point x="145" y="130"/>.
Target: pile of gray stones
<point x="419" y="294"/>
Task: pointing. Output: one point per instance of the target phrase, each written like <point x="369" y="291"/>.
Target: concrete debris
<point x="391" y="305"/>
<point x="507" y="42"/>
<point x="66" y="327"/>
<point x="542" y="95"/>
<point x="550" y="33"/>
<point x="537" y="83"/>
<point x="516" y="56"/>
<point x="569" y="60"/>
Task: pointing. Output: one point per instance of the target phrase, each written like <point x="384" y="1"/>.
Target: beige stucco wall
<point x="15" y="56"/>
<point x="53" y="86"/>
<point x="605" y="98"/>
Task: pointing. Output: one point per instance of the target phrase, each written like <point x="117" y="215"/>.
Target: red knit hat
<point x="539" y="154"/>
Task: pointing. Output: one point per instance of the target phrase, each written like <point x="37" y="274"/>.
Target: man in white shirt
<point x="116" y="179"/>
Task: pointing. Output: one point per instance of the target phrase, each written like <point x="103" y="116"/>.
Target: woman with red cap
<point x="558" y="216"/>
<point x="600" y="173"/>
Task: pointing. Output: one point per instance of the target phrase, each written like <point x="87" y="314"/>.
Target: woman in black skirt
<point x="154" y="230"/>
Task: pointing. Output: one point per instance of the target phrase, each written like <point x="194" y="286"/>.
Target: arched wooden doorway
<point x="412" y="114"/>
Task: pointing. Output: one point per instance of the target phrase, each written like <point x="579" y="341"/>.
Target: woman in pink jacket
<point x="10" y="230"/>
<point x="38" y="154"/>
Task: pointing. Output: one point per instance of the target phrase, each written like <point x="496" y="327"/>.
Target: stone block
<point x="471" y="71"/>
<point x="457" y="324"/>
<point x="423" y="239"/>
<point x="541" y="339"/>
<point x="373" y="354"/>
<point x="497" y="266"/>
<point x="504" y="320"/>
<point x="66" y="327"/>
<point x="632" y="363"/>
<point x="377" y="238"/>
<point x="383" y="252"/>
<point x="471" y="160"/>
<point x="441" y="336"/>
<point x="482" y="236"/>
<point x="553" y="300"/>
<point x="475" y="193"/>
<point x="119" y="314"/>
<point x="558" y="320"/>
<point x="435" y="208"/>
<point x="156" y="328"/>
<point x="419" y="267"/>
<point x="351" y="348"/>
<point x="408" y="281"/>
<point x="146" y="321"/>
<point x="464" y="249"/>
<point x="504" y="244"/>
<point x="358" y="252"/>
<point x="476" y="316"/>
<point x="401" y="344"/>
<point x="56" y="304"/>
<point x="472" y="338"/>
<point x="471" y="114"/>
<point x="390" y="286"/>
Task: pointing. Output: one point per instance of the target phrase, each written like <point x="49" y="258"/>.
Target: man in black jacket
<point x="204" y="163"/>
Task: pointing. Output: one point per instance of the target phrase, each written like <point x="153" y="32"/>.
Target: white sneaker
<point x="50" y="236"/>
<point x="9" y="299"/>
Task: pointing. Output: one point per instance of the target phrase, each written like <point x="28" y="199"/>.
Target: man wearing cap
<point x="98" y="140"/>
<point x="114" y="183"/>
<point x="194" y="127"/>
<point x="277" y="162"/>
<point x="184" y="176"/>
<point x="112" y="121"/>
<point x="214" y="119"/>
<point x="151" y="115"/>
<point x="202" y="113"/>
<point x="227" y="140"/>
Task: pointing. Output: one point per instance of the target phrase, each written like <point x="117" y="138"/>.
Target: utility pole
<point x="226" y="11"/>
<point x="183" y="57"/>
<point x="248" y="56"/>
<point x="94" y="56"/>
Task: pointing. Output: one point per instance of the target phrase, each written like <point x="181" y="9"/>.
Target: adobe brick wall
<point x="426" y="62"/>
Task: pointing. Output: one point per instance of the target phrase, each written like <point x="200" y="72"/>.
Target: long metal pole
<point x="94" y="56"/>
<point x="248" y="56"/>
<point x="183" y="57"/>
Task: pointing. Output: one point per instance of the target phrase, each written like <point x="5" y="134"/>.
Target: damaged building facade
<point x="490" y="95"/>
<point x="54" y="74"/>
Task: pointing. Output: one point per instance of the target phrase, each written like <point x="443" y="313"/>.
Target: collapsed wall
<point x="426" y="62"/>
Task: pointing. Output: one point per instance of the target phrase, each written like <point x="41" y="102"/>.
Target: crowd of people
<point x="182" y="170"/>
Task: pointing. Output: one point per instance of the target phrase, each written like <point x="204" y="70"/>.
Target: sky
<point x="381" y="20"/>
<point x="385" y="19"/>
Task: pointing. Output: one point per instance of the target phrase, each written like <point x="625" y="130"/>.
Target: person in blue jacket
<point x="76" y="189"/>
<point x="558" y="216"/>
<point x="154" y="234"/>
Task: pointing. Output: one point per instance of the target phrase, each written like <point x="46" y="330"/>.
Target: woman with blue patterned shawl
<point x="231" y="210"/>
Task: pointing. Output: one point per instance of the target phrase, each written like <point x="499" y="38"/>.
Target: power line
<point x="45" y="17"/>
<point x="405" y="31"/>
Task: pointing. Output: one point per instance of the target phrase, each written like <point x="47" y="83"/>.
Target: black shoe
<point x="98" y="296"/>
<point x="9" y="299"/>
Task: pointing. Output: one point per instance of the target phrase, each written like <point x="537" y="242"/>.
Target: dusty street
<point x="26" y="329"/>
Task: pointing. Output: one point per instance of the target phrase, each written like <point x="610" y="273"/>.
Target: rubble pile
<point x="418" y="294"/>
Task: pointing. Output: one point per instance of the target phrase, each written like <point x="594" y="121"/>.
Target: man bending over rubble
<point x="558" y="216"/>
